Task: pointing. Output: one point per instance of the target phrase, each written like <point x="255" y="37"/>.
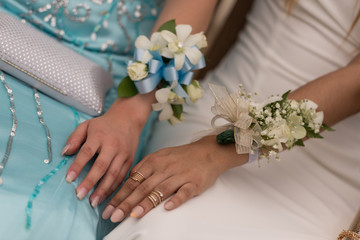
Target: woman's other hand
<point x="113" y="140"/>
<point x="184" y="172"/>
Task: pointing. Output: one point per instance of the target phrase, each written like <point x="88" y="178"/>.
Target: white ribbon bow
<point x="234" y="108"/>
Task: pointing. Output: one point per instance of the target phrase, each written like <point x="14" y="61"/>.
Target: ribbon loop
<point x="235" y="109"/>
<point x="159" y="70"/>
<point x="148" y="84"/>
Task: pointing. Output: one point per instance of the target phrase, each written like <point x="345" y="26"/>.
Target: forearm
<point x="336" y="93"/>
<point x="195" y="13"/>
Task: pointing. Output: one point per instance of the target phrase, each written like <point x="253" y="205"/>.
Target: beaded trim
<point x="42" y="121"/>
<point x="38" y="187"/>
<point x="46" y="178"/>
<point x="14" y="124"/>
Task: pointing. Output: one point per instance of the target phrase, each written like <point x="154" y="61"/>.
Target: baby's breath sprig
<point x="268" y="126"/>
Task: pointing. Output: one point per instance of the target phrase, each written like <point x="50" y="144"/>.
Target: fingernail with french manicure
<point x="169" y="205"/>
<point x="95" y="201"/>
<point x="107" y="212"/>
<point x="117" y="216"/>
<point x="70" y="177"/>
<point x="67" y="146"/>
<point x="137" y="212"/>
<point x="81" y="193"/>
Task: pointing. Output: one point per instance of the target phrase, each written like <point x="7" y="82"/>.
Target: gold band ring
<point x="137" y="176"/>
<point x="159" y="195"/>
<point x="153" y="199"/>
<point x="156" y="197"/>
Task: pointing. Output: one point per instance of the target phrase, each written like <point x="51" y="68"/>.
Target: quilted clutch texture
<point x="54" y="69"/>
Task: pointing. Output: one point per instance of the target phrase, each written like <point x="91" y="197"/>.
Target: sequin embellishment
<point x="14" y="124"/>
<point x="42" y="121"/>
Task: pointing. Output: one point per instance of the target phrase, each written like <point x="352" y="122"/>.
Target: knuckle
<point x="125" y="151"/>
<point x="101" y="165"/>
<point x="99" y="134"/>
<point x="114" y="143"/>
<point x="198" y="180"/>
<point x="114" y="173"/>
<point x="155" y="161"/>
<point x="197" y="188"/>
<point x="165" y="188"/>
<point x="88" y="151"/>
<point x="186" y="192"/>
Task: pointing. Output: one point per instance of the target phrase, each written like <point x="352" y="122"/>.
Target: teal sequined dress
<point x="35" y="200"/>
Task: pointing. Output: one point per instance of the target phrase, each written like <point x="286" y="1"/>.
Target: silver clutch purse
<point x="45" y="64"/>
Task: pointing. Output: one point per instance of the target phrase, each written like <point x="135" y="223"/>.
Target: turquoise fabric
<point x="56" y="212"/>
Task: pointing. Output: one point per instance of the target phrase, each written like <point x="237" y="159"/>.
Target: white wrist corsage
<point x="167" y="61"/>
<point x="264" y="126"/>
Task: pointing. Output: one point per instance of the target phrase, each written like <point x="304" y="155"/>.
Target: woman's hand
<point x="113" y="137"/>
<point x="186" y="170"/>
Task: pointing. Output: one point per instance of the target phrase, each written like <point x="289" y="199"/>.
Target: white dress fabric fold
<point x="313" y="193"/>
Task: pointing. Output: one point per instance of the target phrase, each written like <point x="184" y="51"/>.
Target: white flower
<point x="294" y="104"/>
<point x="181" y="45"/>
<point x="268" y="101"/>
<point x="313" y="118"/>
<point x="318" y="121"/>
<point x="164" y="97"/>
<point x="162" y="105"/>
<point x="137" y="71"/>
<point x="174" y="120"/>
<point x="195" y="91"/>
<point x="296" y="128"/>
<point x="308" y="105"/>
<point x="281" y="132"/>
<point x="203" y="41"/>
<point x="155" y="42"/>
<point x="173" y="98"/>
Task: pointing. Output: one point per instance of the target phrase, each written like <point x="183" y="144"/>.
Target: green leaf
<point x="311" y="134"/>
<point x="285" y="95"/>
<point x="327" y="128"/>
<point x="169" y="25"/>
<point x="226" y="137"/>
<point x="299" y="142"/>
<point x="178" y="109"/>
<point x="127" y="88"/>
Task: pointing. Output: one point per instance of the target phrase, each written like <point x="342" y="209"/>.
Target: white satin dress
<point x="313" y="192"/>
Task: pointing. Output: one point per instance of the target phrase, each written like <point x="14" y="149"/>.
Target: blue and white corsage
<point x="167" y="61"/>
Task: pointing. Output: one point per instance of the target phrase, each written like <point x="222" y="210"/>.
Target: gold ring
<point x="159" y="195"/>
<point x="156" y="197"/>
<point x="153" y="199"/>
<point x="137" y="176"/>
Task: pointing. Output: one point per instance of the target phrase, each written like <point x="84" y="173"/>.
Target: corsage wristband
<point x="263" y="128"/>
<point x="166" y="61"/>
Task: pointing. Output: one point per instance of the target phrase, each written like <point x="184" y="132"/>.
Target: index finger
<point x="86" y="152"/>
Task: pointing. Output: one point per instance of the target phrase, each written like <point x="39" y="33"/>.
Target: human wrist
<point x="224" y="155"/>
<point x="136" y="108"/>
